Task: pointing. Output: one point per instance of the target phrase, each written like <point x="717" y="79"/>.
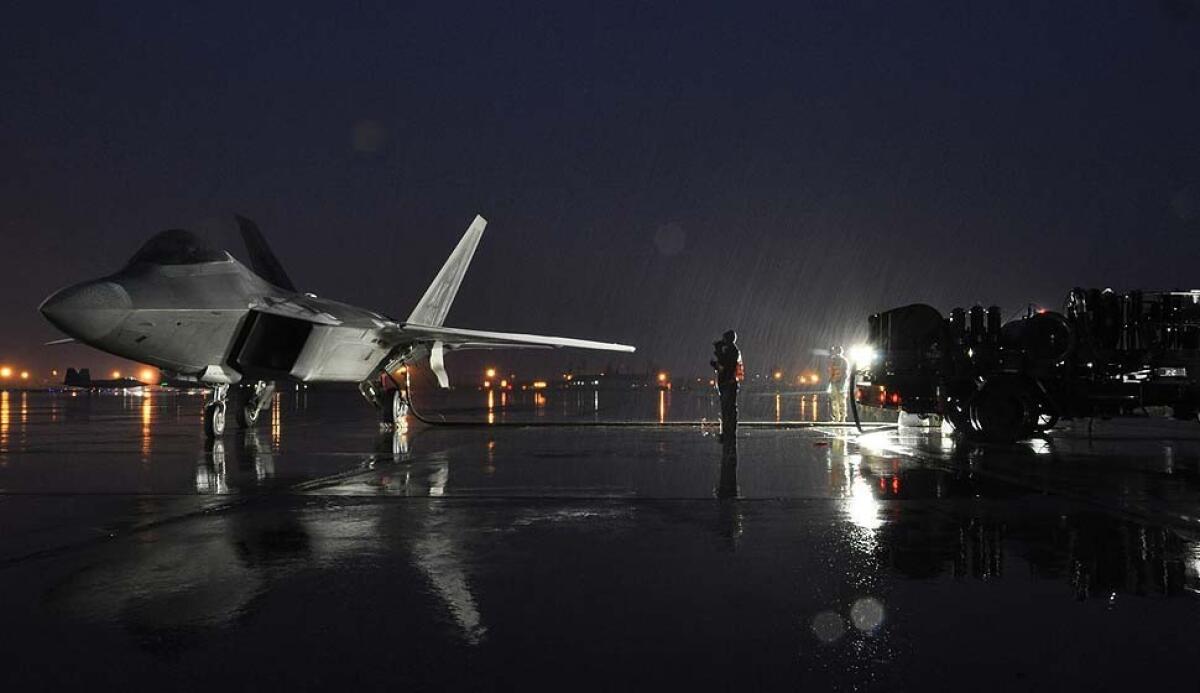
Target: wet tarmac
<point x="317" y="552"/>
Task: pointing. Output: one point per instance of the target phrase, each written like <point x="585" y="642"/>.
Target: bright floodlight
<point x="861" y="355"/>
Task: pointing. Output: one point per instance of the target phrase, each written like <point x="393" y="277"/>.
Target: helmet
<point x="730" y="336"/>
<point x="836" y="351"/>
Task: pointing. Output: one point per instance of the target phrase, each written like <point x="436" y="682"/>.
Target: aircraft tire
<point x="399" y="409"/>
<point x="214" y="420"/>
<point x="248" y="415"/>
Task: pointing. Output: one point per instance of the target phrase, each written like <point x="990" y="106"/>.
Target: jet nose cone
<point x="88" y="311"/>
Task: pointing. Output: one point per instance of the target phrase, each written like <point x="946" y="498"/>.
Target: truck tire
<point x="1004" y="411"/>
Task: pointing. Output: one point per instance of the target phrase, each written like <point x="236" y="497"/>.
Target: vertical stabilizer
<point x="431" y="310"/>
<point x="262" y="260"/>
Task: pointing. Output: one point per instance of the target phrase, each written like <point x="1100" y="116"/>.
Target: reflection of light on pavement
<point x="662" y="406"/>
<point x="1040" y="447"/>
<point x="812" y="410"/>
<point x="147" y="417"/>
<point x="596" y="401"/>
<point x="437" y="480"/>
<point x="777" y="406"/>
<point x="862" y="507"/>
<point x="867" y="614"/>
<point x="1192" y="568"/>
<point x="264" y="462"/>
<point x="877" y="441"/>
<point x="828" y="627"/>
<point x="4" y="421"/>
<point x="210" y="473"/>
<point x="437" y="555"/>
<point x="24" y="409"/>
<point x="276" y="422"/>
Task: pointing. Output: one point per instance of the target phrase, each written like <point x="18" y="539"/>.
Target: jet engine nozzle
<point x="88" y="311"/>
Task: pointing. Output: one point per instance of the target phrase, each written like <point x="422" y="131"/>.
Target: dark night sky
<point x="653" y="172"/>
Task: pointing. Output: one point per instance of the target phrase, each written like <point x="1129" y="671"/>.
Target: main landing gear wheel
<point x="399" y="409"/>
<point x="256" y="403"/>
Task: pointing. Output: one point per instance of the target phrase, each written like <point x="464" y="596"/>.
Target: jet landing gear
<point x="392" y="403"/>
<point x="399" y="409"/>
<point x="214" y="412"/>
<point x="249" y="411"/>
<point x="258" y="400"/>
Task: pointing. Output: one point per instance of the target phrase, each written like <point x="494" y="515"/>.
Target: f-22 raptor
<point x="202" y="317"/>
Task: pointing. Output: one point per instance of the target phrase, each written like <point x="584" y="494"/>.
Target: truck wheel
<point x="1003" y="411"/>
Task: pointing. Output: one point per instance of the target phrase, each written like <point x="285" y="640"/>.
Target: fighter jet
<point x="204" y="318"/>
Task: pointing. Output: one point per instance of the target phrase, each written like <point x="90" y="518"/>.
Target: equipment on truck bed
<point x="1106" y="354"/>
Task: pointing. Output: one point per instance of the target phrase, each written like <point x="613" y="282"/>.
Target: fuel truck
<point x="1105" y="355"/>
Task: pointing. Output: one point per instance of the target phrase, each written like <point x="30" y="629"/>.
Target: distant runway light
<point x="5" y="372"/>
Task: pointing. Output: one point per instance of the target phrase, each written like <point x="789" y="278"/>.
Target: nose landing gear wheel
<point x="214" y="412"/>
<point x="214" y="420"/>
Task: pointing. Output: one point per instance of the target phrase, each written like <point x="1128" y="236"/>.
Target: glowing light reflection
<point x="4" y="421"/>
<point x="276" y="422"/>
<point x="862" y="507"/>
<point x="147" y="417"/>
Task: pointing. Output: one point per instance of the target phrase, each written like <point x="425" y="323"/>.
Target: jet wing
<point x="456" y="338"/>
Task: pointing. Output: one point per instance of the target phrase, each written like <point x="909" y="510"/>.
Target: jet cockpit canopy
<point x="177" y="247"/>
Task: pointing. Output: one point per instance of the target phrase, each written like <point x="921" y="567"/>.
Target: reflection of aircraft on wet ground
<point x="202" y="317"/>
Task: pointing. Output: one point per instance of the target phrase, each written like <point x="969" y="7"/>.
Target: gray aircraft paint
<point x="190" y="319"/>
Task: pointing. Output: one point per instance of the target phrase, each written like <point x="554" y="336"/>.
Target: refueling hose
<point x="854" y="402"/>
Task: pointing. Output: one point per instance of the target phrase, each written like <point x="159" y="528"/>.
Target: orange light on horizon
<point x="24" y="375"/>
<point x="539" y="385"/>
<point x="116" y="374"/>
<point x="779" y="375"/>
<point x="662" y="377"/>
<point x="5" y="372"/>
<point x="490" y="373"/>
<point x="148" y="376"/>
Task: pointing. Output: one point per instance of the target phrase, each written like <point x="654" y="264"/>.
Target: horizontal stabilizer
<point x="453" y="337"/>
<point x="262" y="260"/>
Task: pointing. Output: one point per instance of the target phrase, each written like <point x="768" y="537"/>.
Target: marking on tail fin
<point x="262" y="260"/>
<point x="435" y="304"/>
